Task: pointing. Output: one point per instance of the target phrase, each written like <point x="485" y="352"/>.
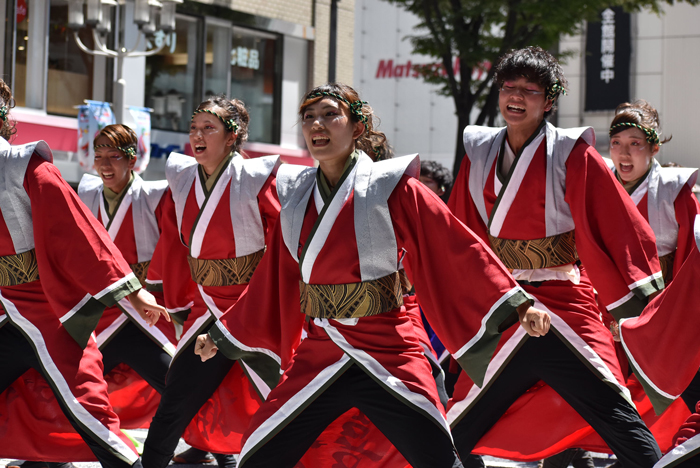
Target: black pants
<point x="691" y="395"/>
<point x="17" y="357"/>
<point x="189" y="384"/>
<point x="575" y="457"/>
<point x="133" y="347"/>
<point x="548" y="359"/>
<point x="417" y="437"/>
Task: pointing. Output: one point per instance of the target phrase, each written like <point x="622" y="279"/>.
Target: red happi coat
<point x="558" y="183"/>
<point x="667" y="368"/>
<point x="358" y="236"/>
<point x="231" y="221"/>
<point x="134" y="228"/>
<point x="666" y="201"/>
<point x="353" y="439"/>
<point x="80" y="272"/>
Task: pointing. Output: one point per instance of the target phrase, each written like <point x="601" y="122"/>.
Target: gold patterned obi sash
<point x="19" y="269"/>
<point x="140" y="271"/>
<point x="667" y="266"/>
<point x="226" y="271"/>
<point x="352" y="300"/>
<point x="536" y="253"/>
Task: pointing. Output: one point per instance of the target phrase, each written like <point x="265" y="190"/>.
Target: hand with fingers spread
<point x="147" y="307"/>
<point x="205" y="347"/>
<point x="534" y="321"/>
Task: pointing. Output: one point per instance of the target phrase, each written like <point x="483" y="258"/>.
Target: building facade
<point x="662" y="63"/>
<point x="264" y="52"/>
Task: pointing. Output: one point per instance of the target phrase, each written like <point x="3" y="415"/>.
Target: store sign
<point x="162" y="39"/>
<point x="386" y="68"/>
<point x="245" y="58"/>
<point x="608" y="53"/>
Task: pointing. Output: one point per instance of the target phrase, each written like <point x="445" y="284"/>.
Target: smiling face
<point x="631" y="153"/>
<point x="523" y="104"/>
<point x="329" y="131"/>
<point x="113" y="166"/>
<point x="210" y="140"/>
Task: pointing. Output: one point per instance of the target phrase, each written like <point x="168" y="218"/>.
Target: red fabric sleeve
<point x="461" y="203"/>
<point x="269" y="204"/>
<point x="169" y="262"/>
<point x="614" y="241"/>
<point x="458" y="279"/>
<point x="268" y="315"/>
<point x="687" y="207"/>
<point x="159" y="212"/>
<point x="74" y="252"/>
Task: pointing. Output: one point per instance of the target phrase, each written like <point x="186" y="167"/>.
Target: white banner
<point x="92" y="117"/>
<point x="139" y="119"/>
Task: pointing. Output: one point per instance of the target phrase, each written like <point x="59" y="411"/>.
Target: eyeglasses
<point x="511" y="90"/>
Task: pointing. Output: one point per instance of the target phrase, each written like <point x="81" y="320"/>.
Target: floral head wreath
<point x="230" y="124"/>
<point x="355" y="106"/>
<point x="555" y="90"/>
<point x="3" y="113"/>
<point x="130" y="151"/>
<point x="652" y="136"/>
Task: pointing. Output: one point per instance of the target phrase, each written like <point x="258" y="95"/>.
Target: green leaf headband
<point x="651" y="134"/>
<point x="555" y="90"/>
<point x="127" y="150"/>
<point x="230" y="124"/>
<point x="3" y="113"/>
<point x="355" y="107"/>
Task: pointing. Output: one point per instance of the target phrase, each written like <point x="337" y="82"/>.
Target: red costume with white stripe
<point x="670" y="320"/>
<point x="363" y="229"/>
<point x="230" y="221"/>
<point x="80" y="272"/>
<point x="558" y="184"/>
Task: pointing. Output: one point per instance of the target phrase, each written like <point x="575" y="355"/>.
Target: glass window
<point x="253" y="80"/>
<point x="172" y="88"/>
<point x="70" y="71"/>
<point x="21" y="43"/>
<point x="64" y="78"/>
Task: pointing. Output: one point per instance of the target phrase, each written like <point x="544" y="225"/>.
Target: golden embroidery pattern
<point x="536" y="253"/>
<point x="667" y="266"/>
<point x="19" y="269"/>
<point x="352" y="300"/>
<point x="140" y="271"/>
<point x="226" y="271"/>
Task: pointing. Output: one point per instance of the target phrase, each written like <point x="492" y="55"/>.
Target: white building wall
<point x="665" y="66"/>
<point x="413" y="116"/>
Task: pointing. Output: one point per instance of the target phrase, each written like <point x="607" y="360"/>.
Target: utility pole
<point x="333" y="42"/>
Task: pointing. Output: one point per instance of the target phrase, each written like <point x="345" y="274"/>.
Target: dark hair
<point x="8" y="125"/>
<point x="439" y="173"/>
<point x="638" y="113"/>
<point x="536" y="65"/>
<point x="120" y="136"/>
<point x="372" y="141"/>
<point x="230" y="109"/>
